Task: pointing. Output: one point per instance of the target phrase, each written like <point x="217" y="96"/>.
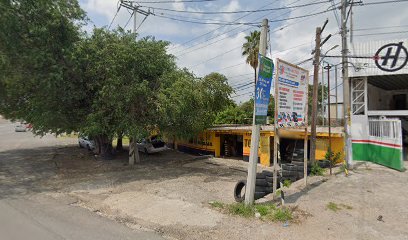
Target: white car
<point x="152" y="145"/>
<point x="85" y="142"/>
<point x="20" y="127"/>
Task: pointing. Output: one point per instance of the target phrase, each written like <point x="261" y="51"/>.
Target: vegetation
<point x="104" y="84"/>
<point x="250" y="49"/>
<point x="336" y="207"/>
<point x="287" y="183"/>
<point x="316" y="170"/>
<point x="267" y="211"/>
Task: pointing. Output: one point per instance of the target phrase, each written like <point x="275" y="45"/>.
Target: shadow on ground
<point x="28" y="171"/>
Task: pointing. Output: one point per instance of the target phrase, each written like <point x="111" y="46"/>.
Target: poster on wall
<point x="291" y="89"/>
<point x="263" y="89"/>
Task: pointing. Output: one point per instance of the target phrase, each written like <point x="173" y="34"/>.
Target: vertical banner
<point x="262" y="89"/>
<point x="292" y="95"/>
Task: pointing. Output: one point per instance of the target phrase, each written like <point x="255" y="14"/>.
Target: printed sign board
<point x="292" y="95"/>
<point x="263" y="89"/>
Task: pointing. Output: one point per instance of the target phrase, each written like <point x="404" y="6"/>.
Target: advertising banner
<point x="263" y="89"/>
<point x="292" y="95"/>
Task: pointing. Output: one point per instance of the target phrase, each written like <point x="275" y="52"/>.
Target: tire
<point x="145" y="151"/>
<point x="268" y="189"/>
<point x="266" y="173"/>
<point x="286" y="173"/>
<point x="238" y="195"/>
<point x="261" y="182"/>
<point x="80" y="146"/>
<point x="300" y="163"/>
<point x="292" y="167"/>
<point x="88" y="147"/>
<point x="323" y="163"/>
<point x="259" y="195"/>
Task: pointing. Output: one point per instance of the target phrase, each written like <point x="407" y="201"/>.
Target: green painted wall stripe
<point x="387" y="156"/>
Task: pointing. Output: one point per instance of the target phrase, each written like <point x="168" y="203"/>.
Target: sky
<point x="206" y="48"/>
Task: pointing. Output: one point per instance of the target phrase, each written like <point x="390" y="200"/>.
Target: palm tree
<point x="250" y="49"/>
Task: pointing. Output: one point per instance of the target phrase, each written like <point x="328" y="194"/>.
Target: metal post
<point x="315" y="96"/>
<point x="256" y="129"/>
<point x="346" y="85"/>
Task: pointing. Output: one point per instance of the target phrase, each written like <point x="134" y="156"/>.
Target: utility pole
<point x="346" y="86"/>
<point x="328" y="67"/>
<point x="323" y="112"/>
<point x="315" y="95"/>
<point x="135" y="8"/>
<point x="337" y="103"/>
<point x="256" y="130"/>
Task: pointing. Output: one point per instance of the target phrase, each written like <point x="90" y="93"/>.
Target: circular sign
<point x="391" y="57"/>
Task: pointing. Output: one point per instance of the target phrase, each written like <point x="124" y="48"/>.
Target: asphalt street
<point x="25" y="210"/>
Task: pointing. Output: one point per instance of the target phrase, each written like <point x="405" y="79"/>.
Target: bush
<point x="316" y="170"/>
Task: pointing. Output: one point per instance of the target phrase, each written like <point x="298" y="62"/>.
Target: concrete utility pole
<point x="346" y="86"/>
<point x="337" y="103"/>
<point x="328" y="67"/>
<point x="315" y="95"/>
<point x="256" y="130"/>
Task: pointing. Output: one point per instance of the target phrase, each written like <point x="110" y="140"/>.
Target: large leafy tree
<point x="121" y="78"/>
<point x="188" y="105"/>
<point x="36" y="42"/>
<point x="250" y="50"/>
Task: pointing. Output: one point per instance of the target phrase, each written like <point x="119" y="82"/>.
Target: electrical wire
<point x="241" y="11"/>
<point x="375" y="28"/>
<point x="382" y="33"/>
<point x="131" y="15"/>
<point x="180" y="1"/>
<point x="113" y="19"/>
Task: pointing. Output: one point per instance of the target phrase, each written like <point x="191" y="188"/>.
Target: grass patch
<point x="268" y="212"/>
<point x="282" y="215"/>
<point x="333" y="206"/>
<point x="336" y="207"/>
<point x="316" y="170"/>
<point x="287" y="183"/>
<point x="216" y="204"/>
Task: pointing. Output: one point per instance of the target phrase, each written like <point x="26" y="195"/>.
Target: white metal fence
<point x="385" y="128"/>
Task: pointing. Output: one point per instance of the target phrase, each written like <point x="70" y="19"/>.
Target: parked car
<point x="20" y="127"/>
<point x="151" y="145"/>
<point x="86" y="142"/>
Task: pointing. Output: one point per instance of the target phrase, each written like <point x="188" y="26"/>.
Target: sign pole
<point x="275" y="135"/>
<point x="256" y="129"/>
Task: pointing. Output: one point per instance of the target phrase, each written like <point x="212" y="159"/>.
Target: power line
<point x="113" y="19"/>
<point x="375" y="28"/>
<point x="131" y="15"/>
<point x="180" y="1"/>
<point x="208" y="23"/>
<point x="241" y="94"/>
<point x="277" y="29"/>
<point x="241" y="11"/>
<point x="382" y="33"/>
<point x="216" y="29"/>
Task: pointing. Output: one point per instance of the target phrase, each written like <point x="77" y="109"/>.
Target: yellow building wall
<point x="322" y="145"/>
<point x="263" y="150"/>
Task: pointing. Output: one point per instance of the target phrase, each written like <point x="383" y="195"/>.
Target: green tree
<point x="36" y="42"/>
<point x="250" y="50"/>
<point x="319" y="99"/>
<point x="189" y="105"/>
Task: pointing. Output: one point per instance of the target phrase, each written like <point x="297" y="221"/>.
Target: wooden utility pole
<point x="315" y="95"/>
<point x="256" y="130"/>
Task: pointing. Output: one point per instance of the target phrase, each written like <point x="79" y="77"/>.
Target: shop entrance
<point x="232" y="146"/>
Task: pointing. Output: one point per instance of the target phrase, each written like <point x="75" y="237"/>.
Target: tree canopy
<point x="105" y="84"/>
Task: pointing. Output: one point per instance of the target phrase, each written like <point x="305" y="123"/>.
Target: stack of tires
<point x="263" y="186"/>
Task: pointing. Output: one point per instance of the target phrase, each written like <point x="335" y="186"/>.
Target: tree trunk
<point x="105" y="147"/>
<point x="119" y="144"/>
<point x="255" y="83"/>
<point x="133" y="152"/>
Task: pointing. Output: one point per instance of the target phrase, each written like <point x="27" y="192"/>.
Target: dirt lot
<point x="170" y="192"/>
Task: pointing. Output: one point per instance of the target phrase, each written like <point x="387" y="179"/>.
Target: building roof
<point x="270" y="128"/>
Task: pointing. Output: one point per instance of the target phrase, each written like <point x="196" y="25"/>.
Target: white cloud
<point x="300" y="31"/>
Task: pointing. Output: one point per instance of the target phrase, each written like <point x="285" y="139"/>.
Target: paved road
<point x="25" y="210"/>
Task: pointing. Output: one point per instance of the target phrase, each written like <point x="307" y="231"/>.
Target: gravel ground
<point x="169" y="193"/>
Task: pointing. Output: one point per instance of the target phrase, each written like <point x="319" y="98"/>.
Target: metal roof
<point x="389" y="82"/>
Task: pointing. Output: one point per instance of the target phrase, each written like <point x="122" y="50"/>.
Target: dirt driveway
<point x="169" y="193"/>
